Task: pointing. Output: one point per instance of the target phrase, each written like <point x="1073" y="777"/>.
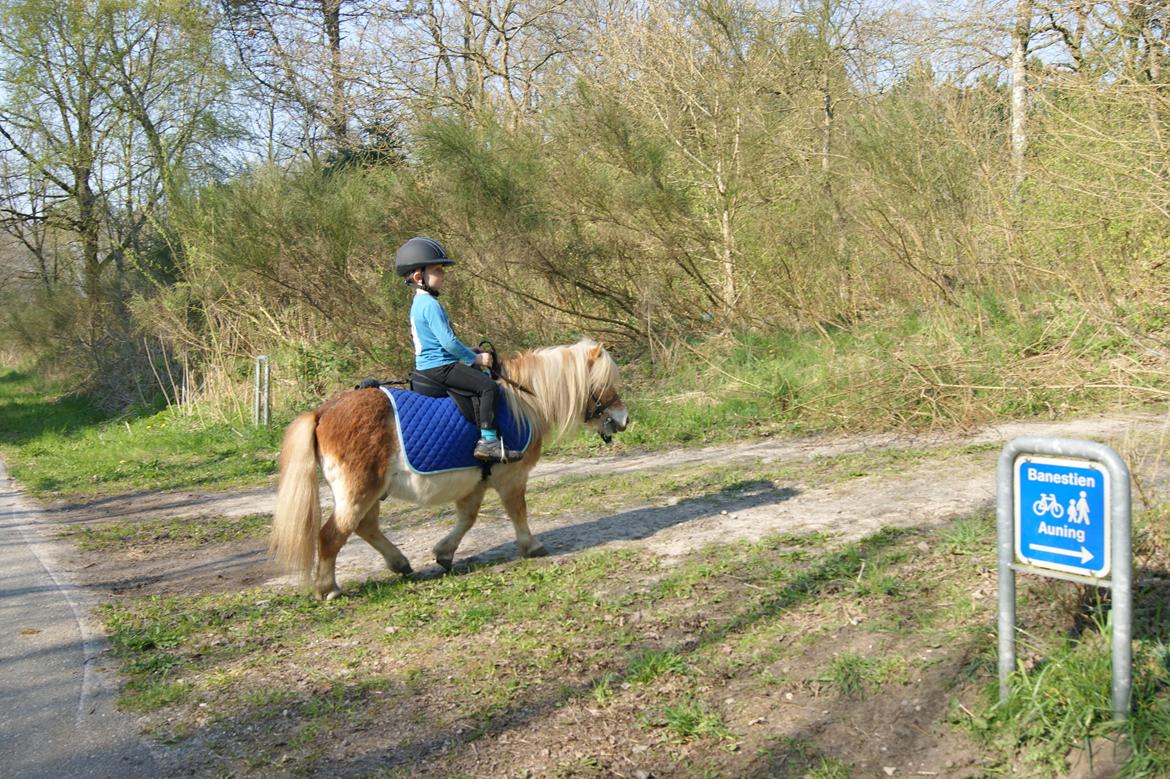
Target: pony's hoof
<point x="402" y="568"/>
<point x="333" y="594"/>
<point x="537" y="551"/>
<point x="447" y="562"/>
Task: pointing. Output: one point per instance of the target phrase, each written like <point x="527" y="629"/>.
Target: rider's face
<point x="434" y="274"/>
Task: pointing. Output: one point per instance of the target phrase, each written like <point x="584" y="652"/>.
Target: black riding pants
<point x="463" y="377"/>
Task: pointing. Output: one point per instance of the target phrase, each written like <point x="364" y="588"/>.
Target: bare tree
<point x="294" y="52"/>
<point x="487" y="54"/>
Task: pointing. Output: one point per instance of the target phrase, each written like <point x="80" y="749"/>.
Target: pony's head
<point x="607" y="413"/>
<point x="572" y="387"/>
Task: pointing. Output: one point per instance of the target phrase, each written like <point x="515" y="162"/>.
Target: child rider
<point x="438" y="354"/>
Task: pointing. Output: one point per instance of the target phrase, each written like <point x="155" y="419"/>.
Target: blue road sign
<point x="1062" y="514"/>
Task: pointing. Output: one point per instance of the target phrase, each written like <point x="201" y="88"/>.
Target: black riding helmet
<point x="418" y="253"/>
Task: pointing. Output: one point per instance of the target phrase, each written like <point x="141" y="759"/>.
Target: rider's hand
<point x="483" y="359"/>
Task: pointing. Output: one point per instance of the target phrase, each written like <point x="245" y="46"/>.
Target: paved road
<point x="56" y="704"/>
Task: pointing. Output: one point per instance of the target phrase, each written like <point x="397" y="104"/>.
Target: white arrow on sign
<point x="1084" y="554"/>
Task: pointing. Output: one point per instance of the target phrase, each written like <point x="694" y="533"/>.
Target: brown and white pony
<point x="354" y="439"/>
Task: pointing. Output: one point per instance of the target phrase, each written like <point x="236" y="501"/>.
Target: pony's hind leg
<point x="369" y="531"/>
<point x="516" y="504"/>
<point x="466" y="510"/>
<point x="354" y="441"/>
<point x="348" y="512"/>
<point x="331" y="539"/>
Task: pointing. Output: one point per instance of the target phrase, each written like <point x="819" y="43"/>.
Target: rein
<point x="497" y="367"/>
<point x="598" y="409"/>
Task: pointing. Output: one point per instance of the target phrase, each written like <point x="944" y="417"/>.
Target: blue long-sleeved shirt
<point x="435" y="344"/>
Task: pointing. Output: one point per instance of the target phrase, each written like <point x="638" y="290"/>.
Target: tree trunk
<point x="727" y="252"/>
<point x="338" y="113"/>
<point x="840" y="245"/>
<point x="1020" y="37"/>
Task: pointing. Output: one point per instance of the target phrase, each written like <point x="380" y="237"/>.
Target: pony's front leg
<point x="466" y="510"/>
<point x="373" y="535"/>
<point x="515" y="503"/>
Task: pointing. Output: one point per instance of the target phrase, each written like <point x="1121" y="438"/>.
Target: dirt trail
<point x="926" y="492"/>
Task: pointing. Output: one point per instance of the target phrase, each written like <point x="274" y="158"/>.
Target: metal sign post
<point x="1064" y="511"/>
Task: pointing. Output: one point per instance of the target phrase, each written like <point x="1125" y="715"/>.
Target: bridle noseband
<point x="599" y="408"/>
<point x="608" y="428"/>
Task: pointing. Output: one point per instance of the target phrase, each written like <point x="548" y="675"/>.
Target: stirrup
<point x="495" y="451"/>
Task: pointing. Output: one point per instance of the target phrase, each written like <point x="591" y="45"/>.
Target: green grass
<point x="650" y="665"/>
<point x="854" y="675"/>
<point x="181" y="531"/>
<point x="603" y="691"/>
<point x="57" y="444"/>
<point x="1062" y="699"/>
<point x="690" y="719"/>
<point x="913" y="367"/>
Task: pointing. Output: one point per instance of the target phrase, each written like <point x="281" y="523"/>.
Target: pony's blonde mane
<point x="562" y="379"/>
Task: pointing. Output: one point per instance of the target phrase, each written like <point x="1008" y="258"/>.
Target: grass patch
<point x="854" y="675"/>
<point x="792" y="757"/>
<point x="1064" y="702"/>
<point x="983" y="359"/>
<point x="171" y="531"/>
<point x="690" y="719"/>
<point x="650" y="665"/>
<point x="57" y="443"/>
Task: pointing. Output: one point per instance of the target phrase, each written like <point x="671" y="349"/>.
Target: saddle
<point x="437" y="427"/>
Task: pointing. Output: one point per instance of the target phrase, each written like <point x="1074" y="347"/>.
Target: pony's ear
<point x="595" y="353"/>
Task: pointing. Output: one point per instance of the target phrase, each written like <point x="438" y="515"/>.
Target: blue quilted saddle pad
<point x="437" y="438"/>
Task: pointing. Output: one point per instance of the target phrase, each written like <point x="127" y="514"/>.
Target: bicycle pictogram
<point x="1047" y="504"/>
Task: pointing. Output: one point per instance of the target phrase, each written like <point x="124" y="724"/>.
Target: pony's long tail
<point x="297" y="519"/>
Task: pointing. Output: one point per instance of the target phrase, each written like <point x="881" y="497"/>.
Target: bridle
<point x="599" y="410"/>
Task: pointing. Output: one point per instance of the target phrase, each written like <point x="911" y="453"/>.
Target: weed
<point x="603" y="689"/>
<point x="826" y="768"/>
<point x="585" y="765"/>
<point x="148" y="695"/>
<point x="967" y="536"/>
<point x="651" y="664"/>
<point x="468" y="620"/>
<point x="690" y="719"/>
<point x="852" y="674"/>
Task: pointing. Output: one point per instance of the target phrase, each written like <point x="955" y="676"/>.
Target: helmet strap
<point x="410" y="282"/>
